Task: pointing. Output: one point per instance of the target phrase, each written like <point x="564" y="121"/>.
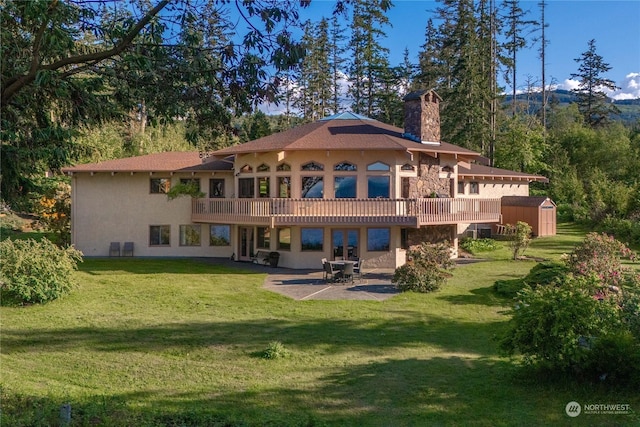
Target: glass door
<point x="246" y="243"/>
<point x="345" y="243"/>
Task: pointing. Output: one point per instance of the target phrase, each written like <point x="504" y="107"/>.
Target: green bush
<point x="276" y="350"/>
<point x="544" y="273"/>
<point x="35" y="271"/>
<point x="625" y="230"/>
<point x="520" y="239"/>
<point x="426" y="269"/>
<point x="479" y="245"/>
<point x="615" y="359"/>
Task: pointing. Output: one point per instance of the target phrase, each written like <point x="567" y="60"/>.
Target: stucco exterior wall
<point x="119" y="208"/>
<point x="496" y="189"/>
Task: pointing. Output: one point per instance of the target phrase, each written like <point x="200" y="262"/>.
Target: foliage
<point x="599" y="255"/>
<point x="542" y="274"/>
<point x="54" y="209"/>
<point x="520" y="239"/>
<point x="189" y="189"/>
<point x="275" y="350"/>
<point x="479" y="245"/>
<point x="426" y="269"/>
<point x="36" y="272"/>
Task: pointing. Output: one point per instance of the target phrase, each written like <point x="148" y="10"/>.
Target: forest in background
<point x="85" y="81"/>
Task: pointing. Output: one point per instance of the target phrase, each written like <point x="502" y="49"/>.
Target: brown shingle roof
<point x="342" y="134"/>
<point x="159" y="162"/>
<point x="481" y="171"/>
<point x="524" y="200"/>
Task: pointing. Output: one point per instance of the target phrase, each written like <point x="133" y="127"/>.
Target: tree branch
<point x="11" y="90"/>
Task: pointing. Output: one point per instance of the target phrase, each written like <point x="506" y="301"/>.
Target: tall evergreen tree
<point x="369" y="59"/>
<point x="592" y="101"/>
<point x="336" y="62"/>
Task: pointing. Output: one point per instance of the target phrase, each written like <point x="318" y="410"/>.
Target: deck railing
<point x="408" y="212"/>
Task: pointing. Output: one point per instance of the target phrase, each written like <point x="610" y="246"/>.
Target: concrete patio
<point x="307" y="284"/>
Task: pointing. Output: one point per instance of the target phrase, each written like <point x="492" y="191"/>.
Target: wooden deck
<point x="288" y="212"/>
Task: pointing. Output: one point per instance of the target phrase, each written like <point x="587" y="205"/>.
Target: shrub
<point x="479" y="245"/>
<point x="615" y="359"/>
<point x="35" y="272"/>
<point x="520" y="239"/>
<point x="544" y="273"/>
<point x="625" y="230"/>
<point x="556" y="327"/>
<point x="276" y="350"/>
<point x="426" y="269"/>
<point x="54" y="208"/>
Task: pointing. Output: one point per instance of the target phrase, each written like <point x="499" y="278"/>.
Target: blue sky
<point x="615" y="26"/>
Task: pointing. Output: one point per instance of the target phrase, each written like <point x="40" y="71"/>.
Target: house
<point x="343" y="186"/>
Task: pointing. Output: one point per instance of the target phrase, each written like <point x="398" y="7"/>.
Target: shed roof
<point x="525" y="201"/>
<point x="172" y="161"/>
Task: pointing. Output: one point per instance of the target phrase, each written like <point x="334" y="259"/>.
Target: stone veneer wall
<point x="431" y="234"/>
<point x="422" y="117"/>
<point x="428" y="180"/>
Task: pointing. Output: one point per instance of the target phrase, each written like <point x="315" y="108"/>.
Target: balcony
<point x="305" y="212"/>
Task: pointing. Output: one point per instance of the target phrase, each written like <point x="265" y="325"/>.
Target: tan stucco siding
<point x="120" y="208"/>
<point x="493" y="189"/>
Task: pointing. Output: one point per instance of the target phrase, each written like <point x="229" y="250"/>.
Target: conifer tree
<point x="592" y="101"/>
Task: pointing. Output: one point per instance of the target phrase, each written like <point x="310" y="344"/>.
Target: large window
<point x="378" y="186"/>
<point x="284" y="186"/>
<point x="460" y="187"/>
<point x="159" y="235"/>
<point x="405" y="183"/>
<point x="312" y="239"/>
<point x="474" y="188"/>
<point x="190" y="235"/>
<point x="246" y="188"/>
<point x="263" y="238"/>
<point x="263" y="186"/>
<point x="284" y="239"/>
<point x="378" y="239"/>
<point x="344" y="187"/>
<point x="216" y="188"/>
<point x="312" y="187"/>
<point x="219" y="235"/>
<point x="160" y="185"/>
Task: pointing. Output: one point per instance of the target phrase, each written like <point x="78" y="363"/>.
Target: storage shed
<point x="538" y="212"/>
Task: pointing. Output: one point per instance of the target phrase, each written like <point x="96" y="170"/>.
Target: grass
<point x="181" y="342"/>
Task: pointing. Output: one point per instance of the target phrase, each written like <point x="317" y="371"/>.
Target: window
<point x="378" y="166"/>
<point x="264" y="238"/>
<point x="474" y="188"/>
<point x="159" y="235"/>
<point x="160" y="185"/>
<point x="378" y="187"/>
<point x="284" y="186"/>
<point x="191" y="181"/>
<point x="312" y="187"/>
<point x="312" y="166"/>
<point x="460" y="187"/>
<point x="344" y="187"/>
<point x="404" y="238"/>
<point x="405" y="184"/>
<point x="263" y="168"/>
<point x="216" y="188"/>
<point x="345" y="167"/>
<point x="378" y="239"/>
<point x="407" y="167"/>
<point x="284" y="239"/>
<point x="190" y="235"/>
<point x="219" y="235"/>
<point x="246" y="169"/>
<point x="245" y="188"/>
<point x="263" y="186"/>
<point x="284" y="167"/>
<point x="312" y="239"/>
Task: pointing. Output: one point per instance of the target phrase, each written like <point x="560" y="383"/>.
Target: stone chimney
<point x="422" y="116"/>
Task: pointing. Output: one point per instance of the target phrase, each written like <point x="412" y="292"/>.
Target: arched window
<point x="407" y="167"/>
<point x="284" y="167"/>
<point x="263" y="168"/>
<point x="246" y="169"/>
<point x="312" y="166"/>
<point x="378" y="166"/>
<point x="345" y="167"/>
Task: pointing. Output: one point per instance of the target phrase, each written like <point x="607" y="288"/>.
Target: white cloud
<point x="629" y="87"/>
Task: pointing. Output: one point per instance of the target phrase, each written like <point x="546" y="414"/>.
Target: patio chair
<point x="324" y="271"/>
<point x="127" y="250"/>
<point x="347" y="272"/>
<point x="114" y="249"/>
<point x="357" y="269"/>
<point x="330" y="273"/>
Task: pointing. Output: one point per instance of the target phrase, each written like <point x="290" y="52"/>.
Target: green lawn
<point x="177" y="342"/>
